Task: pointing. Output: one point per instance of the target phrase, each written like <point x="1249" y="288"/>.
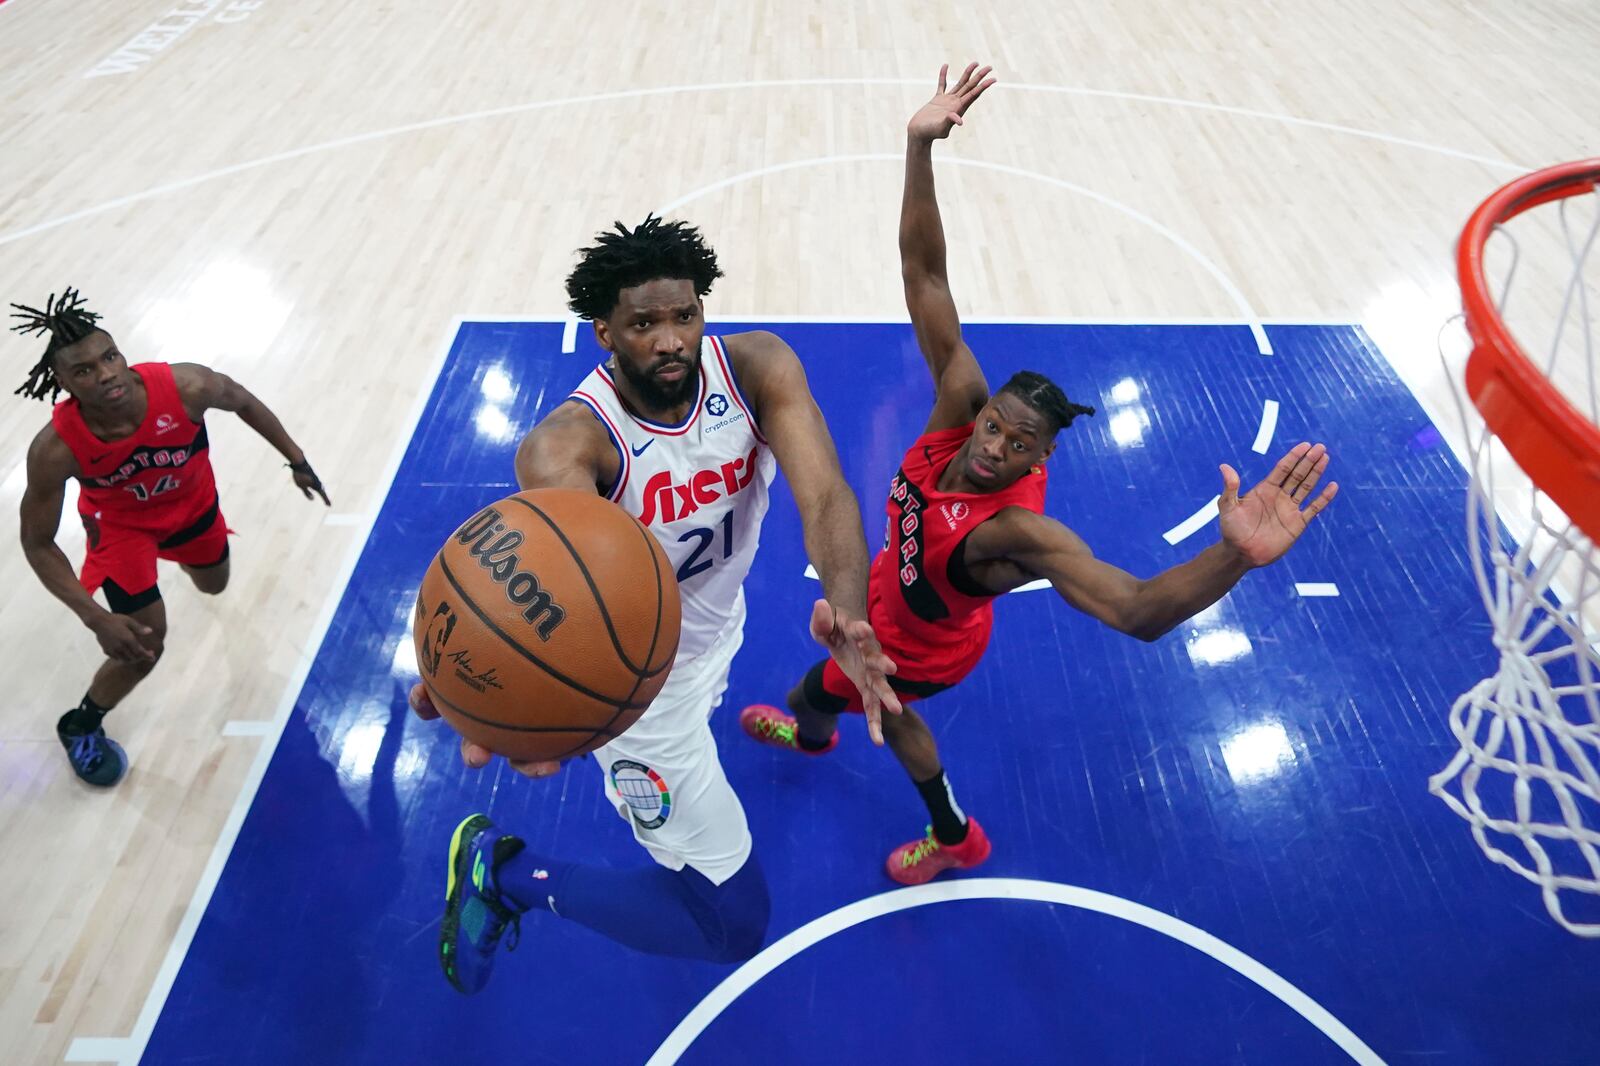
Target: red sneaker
<point x="768" y="725"/>
<point x="921" y="861"/>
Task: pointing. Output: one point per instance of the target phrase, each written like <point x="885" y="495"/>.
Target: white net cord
<point x="1525" y="775"/>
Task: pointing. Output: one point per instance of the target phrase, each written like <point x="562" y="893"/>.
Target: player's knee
<point x="155" y="646"/>
<point x="905" y="724"/>
<point x="210" y="581"/>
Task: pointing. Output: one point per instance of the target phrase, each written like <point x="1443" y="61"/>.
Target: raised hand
<point x="475" y="755"/>
<point x="944" y="111"/>
<point x="851" y="643"/>
<point x="1266" y="521"/>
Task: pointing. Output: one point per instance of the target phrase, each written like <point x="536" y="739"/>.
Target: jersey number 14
<point x="166" y="483"/>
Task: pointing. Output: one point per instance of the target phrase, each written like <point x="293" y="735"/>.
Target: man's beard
<point x="658" y="394"/>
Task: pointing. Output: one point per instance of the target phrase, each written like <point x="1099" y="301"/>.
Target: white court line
<point x="1316" y="588"/>
<point x="634" y="94"/>
<point x="1293" y="120"/>
<point x="247" y="728"/>
<point x="1007" y="888"/>
<point x="1263" y="345"/>
<point x="569" y="336"/>
<point x="1193" y="524"/>
<point x="98" y="1048"/>
<point x="1269" y="424"/>
<point x="133" y="1047"/>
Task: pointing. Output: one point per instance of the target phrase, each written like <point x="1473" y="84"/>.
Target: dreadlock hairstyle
<point x="67" y="321"/>
<point x="620" y="259"/>
<point x="1046" y="397"/>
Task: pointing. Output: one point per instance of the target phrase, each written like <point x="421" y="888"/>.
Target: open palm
<point x="1265" y="522"/>
<point x="939" y="115"/>
<point x="854" y="647"/>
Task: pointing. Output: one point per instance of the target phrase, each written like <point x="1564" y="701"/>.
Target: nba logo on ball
<point x="716" y="405"/>
<point x="642" y="789"/>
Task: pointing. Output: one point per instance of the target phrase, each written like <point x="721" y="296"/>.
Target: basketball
<point x="546" y="624"/>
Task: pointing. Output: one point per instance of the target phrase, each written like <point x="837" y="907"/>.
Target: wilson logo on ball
<point x="494" y="547"/>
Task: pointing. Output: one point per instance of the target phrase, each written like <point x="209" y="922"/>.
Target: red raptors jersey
<point x="158" y="479"/>
<point x="930" y="617"/>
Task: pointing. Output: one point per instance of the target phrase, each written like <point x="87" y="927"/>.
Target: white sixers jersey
<point x="700" y="487"/>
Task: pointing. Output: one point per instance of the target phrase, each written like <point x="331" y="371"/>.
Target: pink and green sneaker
<point x="920" y="861"/>
<point x="768" y="725"/>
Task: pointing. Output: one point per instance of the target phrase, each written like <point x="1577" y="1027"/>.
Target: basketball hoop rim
<point x="1549" y="438"/>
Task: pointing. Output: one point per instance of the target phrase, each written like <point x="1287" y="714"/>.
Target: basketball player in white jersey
<point x="683" y="431"/>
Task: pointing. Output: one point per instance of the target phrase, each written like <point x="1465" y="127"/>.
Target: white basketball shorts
<point x="664" y="776"/>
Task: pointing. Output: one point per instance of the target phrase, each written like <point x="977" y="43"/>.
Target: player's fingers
<point x="1314" y="475"/>
<point x="966" y="78"/>
<point x="421" y="702"/>
<point x="943" y="70"/>
<point x="475" y="755"/>
<point x="874" y="716"/>
<point x="888" y="699"/>
<point x="323" y="493"/>
<point x="975" y="86"/>
<point x="1230" y="488"/>
<point x="822" y="621"/>
<point x="536" y="769"/>
<point x="1305" y="465"/>
<point x="973" y="95"/>
<point x="1285" y="466"/>
<point x="1322" y="500"/>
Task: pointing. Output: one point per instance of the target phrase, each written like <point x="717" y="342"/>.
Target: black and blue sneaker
<point x="95" y="757"/>
<point x="475" y="915"/>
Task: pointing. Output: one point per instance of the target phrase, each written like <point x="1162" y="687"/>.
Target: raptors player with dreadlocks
<point x="135" y="438"/>
<point x="966" y="524"/>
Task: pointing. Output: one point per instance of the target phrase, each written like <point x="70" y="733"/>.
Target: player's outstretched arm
<point x="772" y="377"/>
<point x="567" y="450"/>
<point x="960" y="390"/>
<point x="50" y="464"/>
<point x="204" y="389"/>
<point x="1257" y="529"/>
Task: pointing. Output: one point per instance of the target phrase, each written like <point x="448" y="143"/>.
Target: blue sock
<point x="654" y="909"/>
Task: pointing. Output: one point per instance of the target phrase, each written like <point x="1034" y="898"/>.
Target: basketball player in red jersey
<point x="135" y="438"/>
<point x="966" y="525"/>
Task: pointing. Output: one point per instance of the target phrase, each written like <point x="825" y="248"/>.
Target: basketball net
<point x="1525" y="776"/>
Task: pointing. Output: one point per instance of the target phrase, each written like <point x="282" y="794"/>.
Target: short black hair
<point x="67" y="321"/>
<point x="1046" y="397"/>
<point x="622" y="258"/>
